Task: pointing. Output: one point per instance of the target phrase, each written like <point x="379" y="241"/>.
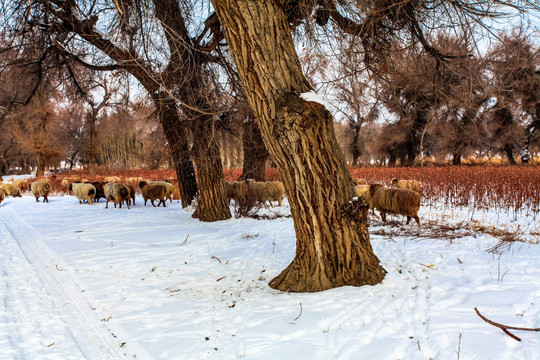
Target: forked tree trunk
<point x="255" y="153"/>
<point x="332" y="244"/>
<point x="212" y="204"/>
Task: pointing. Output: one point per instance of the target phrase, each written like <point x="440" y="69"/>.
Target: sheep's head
<point x="394" y="181"/>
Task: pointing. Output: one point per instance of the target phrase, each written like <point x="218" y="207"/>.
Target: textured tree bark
<point x="255" y="153"/>
<point x="332" y="244"/>
<point x="212" y="204"/>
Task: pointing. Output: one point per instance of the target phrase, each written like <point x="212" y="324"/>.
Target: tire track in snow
<point x="95" y="339"/>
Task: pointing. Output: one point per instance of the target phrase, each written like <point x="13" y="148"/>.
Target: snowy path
<point x="40" y="297"/>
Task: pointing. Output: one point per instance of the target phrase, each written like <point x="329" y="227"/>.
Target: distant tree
<point x="408" y="90"/>
<point x="457" y="120"/>
<point x="513" y="120"/>
<point x="35" y="128"/>
<point x="356" y="101"/>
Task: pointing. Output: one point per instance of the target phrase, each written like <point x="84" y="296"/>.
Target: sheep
<point x="170" y="188"/>
<point x="41" y="188"/>
<point x="21" y="184"/>
<point x="407" y="184"/>
<point x="358" y="181"/>
<point x="153" y="192"/>
<point x="2" y="195"/>
<point x="395" y="201"/>
<point x="362" y="191"/>
<point x="100" y="191"/>
<point x="232" y="190"/>
<point x="117" y="193"/>
<point x="266" y="191"/>
<point x="132" y="191"/>
<point x="11" y="190"/>
<point x="112" y="179"/>
<point x="83" y="192"/>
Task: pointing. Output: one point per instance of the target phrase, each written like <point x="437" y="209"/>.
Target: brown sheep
<point x="21" y="184"/>
<point x="11" y="190"/>
<point x="395" y="201"/>
<point x="131" y="193"/>
<point x="117" y="193"/>
<point x="100" y="190"/>
<point x="153" y="192"/>
<point x="170" y="188"/>
<point x="266" y="191"/>
<point x="41" y="188"/>
<point x="2" y="195"/>
<point x="407" y="184"/>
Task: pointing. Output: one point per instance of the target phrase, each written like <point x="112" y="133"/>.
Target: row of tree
<point x="205" y="71"/>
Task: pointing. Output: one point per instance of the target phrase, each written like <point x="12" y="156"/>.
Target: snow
<point x="312" y="96"/>
<point x="85" y="282"/>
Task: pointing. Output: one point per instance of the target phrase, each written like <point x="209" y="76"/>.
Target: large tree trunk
<point x="212" y="204"/>
<point x="176" y="135"/>
<point x="255" y="153"/>
<point x="332" y="244"/>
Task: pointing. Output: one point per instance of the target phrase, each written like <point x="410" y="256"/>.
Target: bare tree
<point x="514" y="120"/>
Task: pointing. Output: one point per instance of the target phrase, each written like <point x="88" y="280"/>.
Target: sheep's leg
<point x="408" y="220"/>
<point x="107" y="204"/>
<point x="45" y="198"/>
<point x="383" y="217"/>
<point x="152" y="201"/>
<point x="37" y="198"/>
<point x="417" y="220"/>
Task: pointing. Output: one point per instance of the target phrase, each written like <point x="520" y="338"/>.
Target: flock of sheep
<point x="402" y="199"/>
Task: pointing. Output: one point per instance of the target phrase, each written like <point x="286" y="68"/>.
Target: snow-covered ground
<point x="85" y="282"/>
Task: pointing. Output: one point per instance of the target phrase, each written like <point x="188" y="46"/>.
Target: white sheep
<point x="362" y="191"/>
<point x="41" y="188"/>
<point x="11" y="190"/>
<point x="407" y="184"/>
<point x="83" y="192"/>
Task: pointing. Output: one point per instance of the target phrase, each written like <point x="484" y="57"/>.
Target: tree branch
<point x="63" y="51"/>
<point x="505" y="327"/>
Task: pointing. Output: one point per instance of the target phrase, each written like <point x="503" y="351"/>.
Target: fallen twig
<point x="184" y="240"/>
<point x="215" y="257"/>
<point x="505" y="327"/>
<point x="296" y="318"/>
